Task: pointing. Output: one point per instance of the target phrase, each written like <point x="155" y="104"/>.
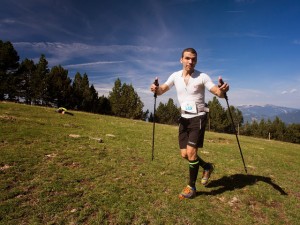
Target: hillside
<point x="95" y="169"/>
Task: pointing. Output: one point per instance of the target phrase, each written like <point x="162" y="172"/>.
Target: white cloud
<point x="294" y="90"/>
<point x="79" y="65"/>
<point x="7" y="21"/>
<point x="67" y="49"/>
<point x="64" y="53"/>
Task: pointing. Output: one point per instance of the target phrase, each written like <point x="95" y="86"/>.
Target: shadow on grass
<point x="238" y="181"/>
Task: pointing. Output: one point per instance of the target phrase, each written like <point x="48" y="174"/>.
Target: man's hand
<point x="155" y="86"/>
<point x="160" y="89"/>
<point x="223" y="86"/>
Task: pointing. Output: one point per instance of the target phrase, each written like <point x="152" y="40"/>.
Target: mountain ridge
<point x="268" y="111"/>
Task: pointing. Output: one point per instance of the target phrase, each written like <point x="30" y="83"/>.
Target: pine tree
<point x="125" y="102"/>
<point x="77" y="96"/>
<point x="38" y="81"/>
<point x="86" y="93"/>
<point x="104" y="105"/>
<point x="114" y="98"/>
<point x="255" y="128"/>
<point x="9" y="63"/>
<point x="246" y="129"/>
<point x="218" y="118"/>
<point x="151" y="118"/>
<point x="263" y="129"/>
<point x="278" y="128"/>
<point x="292" y="133"/>
<point x="167" y="113"/>
<point x="58" y="87"/>
<point x="237" y="117"/>
<point x="94" y="104"/>
<point x="26" y="71"/>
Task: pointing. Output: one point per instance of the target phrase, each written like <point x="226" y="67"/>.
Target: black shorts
<point x="191" y="131"/>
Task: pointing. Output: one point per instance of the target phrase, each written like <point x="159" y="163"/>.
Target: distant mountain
<point x="255" y="112"/>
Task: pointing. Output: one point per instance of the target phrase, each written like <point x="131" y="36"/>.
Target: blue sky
<point x="253" y="44"/>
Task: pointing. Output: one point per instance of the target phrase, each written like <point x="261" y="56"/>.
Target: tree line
<point x="275" y="129"/>
<point x="169" y="113"/>
<point x="34" y="83"/>
<point x="219" y="121"/>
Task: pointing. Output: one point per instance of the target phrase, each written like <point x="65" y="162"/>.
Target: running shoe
<point x="206" y="174"/>
<point x="187" y="192"/>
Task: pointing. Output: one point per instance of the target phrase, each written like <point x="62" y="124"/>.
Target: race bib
<point x="189" y="107"/>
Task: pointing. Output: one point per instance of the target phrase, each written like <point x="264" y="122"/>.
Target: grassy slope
<point x="50" y="177"/>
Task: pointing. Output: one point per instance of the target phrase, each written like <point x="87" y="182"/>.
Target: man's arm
<point x="220" y="91"/>
<point x="159" y="89"/>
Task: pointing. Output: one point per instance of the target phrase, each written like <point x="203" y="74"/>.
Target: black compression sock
<point x="194" y="168"/>
<point x="202" y="163"/>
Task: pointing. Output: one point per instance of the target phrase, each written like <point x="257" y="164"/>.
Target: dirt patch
<point x="8" y="118"/>
<point x="5" y="167"/>
<point x="218" y="140"/>
<point x="50" y="156"/>
<point x="74" y="135"/>
<point x="70" y="125"/>
<point x="71" y="164"/>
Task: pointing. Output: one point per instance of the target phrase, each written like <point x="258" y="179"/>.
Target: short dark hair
<point x="191" y="50"/>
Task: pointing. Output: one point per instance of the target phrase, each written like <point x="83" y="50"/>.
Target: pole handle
<point x="156" y="84"/>
<point x="221" y="83"/>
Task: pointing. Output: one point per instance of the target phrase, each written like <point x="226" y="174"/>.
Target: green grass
<point x="48" y="176"/>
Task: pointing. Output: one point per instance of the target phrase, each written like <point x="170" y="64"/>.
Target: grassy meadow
<point x="95" y="169"/>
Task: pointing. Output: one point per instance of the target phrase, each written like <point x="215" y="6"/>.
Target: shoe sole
<point x="181" y="197"/>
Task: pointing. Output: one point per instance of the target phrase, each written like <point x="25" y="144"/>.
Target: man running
<point x="190" y="85"/>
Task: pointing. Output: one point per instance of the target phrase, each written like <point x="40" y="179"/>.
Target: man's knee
<point x="191" y="153"/>
<point x="184" y="156"/>
<point x="183" y="153"/>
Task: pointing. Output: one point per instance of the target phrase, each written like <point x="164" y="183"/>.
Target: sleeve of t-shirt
<point x="207" y="81"/>
<point x="170" y="81"/>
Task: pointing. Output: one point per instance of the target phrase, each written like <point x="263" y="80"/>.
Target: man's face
<point x="188" y="61"/>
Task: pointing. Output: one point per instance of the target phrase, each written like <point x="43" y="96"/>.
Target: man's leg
<point x="194" y="163"/>
<point x="188" y="146"/>
<point x="207" y="167"/>
<point x="190" y="153"/>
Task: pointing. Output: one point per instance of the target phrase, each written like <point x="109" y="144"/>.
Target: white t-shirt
<point x="192" y="93"/>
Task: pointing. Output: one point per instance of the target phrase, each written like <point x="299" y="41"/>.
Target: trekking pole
<point x="155" y="96"/>
<point x="236" y="135"/>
